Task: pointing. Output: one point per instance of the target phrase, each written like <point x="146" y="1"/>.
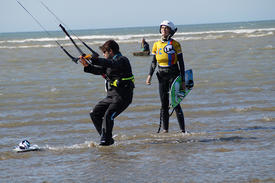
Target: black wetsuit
<point x="146" y="46"/>
<point x="119" y="95"/>
<point x="166" y="76"/>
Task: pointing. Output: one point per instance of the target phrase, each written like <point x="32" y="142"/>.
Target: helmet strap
<point x="163" y="39"/>
<point x="169" y="37"/>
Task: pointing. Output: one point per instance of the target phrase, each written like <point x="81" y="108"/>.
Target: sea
<point x="46" y="98"/>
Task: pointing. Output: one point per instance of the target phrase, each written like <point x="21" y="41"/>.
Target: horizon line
<point x="106" y="28"/>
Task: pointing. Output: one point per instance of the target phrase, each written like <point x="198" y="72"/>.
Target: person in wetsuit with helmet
<point x="167" y="55"/>
<point x="117" y="71"/>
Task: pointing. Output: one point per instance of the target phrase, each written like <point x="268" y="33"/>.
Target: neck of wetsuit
<point x="117" y="55"/>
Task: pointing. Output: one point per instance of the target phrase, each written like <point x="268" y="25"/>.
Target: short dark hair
<point x="110" y="45"/>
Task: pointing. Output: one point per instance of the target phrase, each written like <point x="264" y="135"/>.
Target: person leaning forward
<point x="117" y="71"/>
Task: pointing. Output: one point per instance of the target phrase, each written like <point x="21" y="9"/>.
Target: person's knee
<point x="110" y="116"/>
<point x="94" y="116"/>
<point x="97" y="121"/>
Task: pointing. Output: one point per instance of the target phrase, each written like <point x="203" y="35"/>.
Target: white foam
<point x="43" y="39"/>
<point x="53" y="90"/>
<point x="267" y="118"/>
<point x="236" y="31"/>
<point x="85" y="145"/>
<point x="136" y="38"/>
<point x="242" y="109"/>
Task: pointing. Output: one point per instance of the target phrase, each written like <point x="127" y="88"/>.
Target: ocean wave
<point x="35" y="46"/>
<point x="268" y="119"/>
<point x="253" y="108"/>
<point x="85" y="145"/>
<point x="267" y="31"/>
<point x="267" y="47"/>
<point x="86" y="37"/>
<point x="43" y="39"/>
<point x="136" y="38"/>
<point x="29" y="46"/>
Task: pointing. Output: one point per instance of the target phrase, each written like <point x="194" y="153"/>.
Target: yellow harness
<point x="114" y="83"/>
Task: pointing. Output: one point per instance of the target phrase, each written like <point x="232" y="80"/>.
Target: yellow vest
<point x="166" y="52"/>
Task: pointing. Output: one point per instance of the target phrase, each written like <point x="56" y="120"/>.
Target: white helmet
<point x="24" y="144"/>
<point x="170" y="25"/>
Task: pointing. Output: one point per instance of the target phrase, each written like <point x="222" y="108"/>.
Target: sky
<point x="91" y="14"/>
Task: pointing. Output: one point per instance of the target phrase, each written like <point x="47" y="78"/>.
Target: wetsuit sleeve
<point x="181" y="65"/>
<point x="153" y="66"/>
<point x="97" y="70"/>
<point x="108" y="63"/>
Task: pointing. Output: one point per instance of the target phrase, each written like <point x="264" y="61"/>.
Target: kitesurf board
<point x="176" y="92"/>
<point x="141" y="53"/>
<point x="31" y="148"/>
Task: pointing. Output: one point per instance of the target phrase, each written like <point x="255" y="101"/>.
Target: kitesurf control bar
<point x="95" y="54"/>
<point x="74" y="59"/>
<point x="64" y="30"/>
<point x="86" y="57"/>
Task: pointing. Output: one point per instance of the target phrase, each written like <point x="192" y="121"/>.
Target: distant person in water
<point x="145" y="46"/>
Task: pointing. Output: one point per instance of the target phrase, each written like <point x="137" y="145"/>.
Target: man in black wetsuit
<point x="117" y="71"/>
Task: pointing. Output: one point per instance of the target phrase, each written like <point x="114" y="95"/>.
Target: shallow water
<point x="229" y="116"/>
